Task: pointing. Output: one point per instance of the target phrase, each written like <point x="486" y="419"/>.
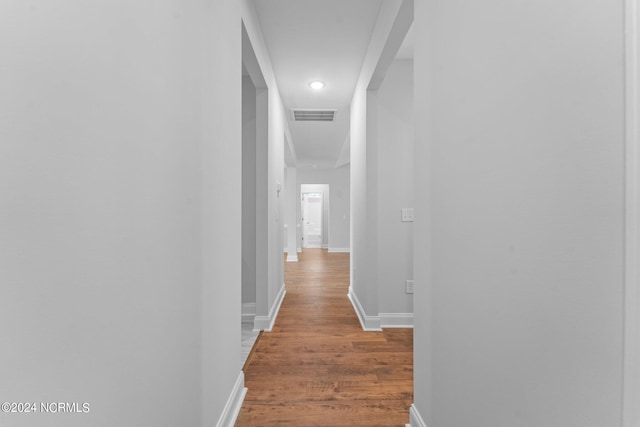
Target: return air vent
<point x="313" y="115"/>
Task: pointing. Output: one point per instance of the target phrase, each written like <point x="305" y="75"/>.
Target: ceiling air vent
<point x="313" y="115"/>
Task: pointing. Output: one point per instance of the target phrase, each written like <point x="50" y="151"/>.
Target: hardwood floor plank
<point x="356" y="358"/>
<point x="326" y="413"/>
<point x="317" y="367"/>
<point x="330" y="390"/>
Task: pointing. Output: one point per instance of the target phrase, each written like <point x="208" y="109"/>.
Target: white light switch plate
<point x="409" y="286"/>
<point x="407" y="214"/>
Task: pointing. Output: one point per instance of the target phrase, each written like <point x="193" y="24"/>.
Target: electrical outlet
<point x="409" y="286"/>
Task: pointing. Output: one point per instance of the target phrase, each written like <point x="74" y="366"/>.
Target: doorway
<point x="254" y="189"/>
<point x="312" y="207"/>
<point x="314" y="215"/>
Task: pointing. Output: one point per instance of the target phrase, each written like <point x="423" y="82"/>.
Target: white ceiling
<point x="323" y="40"/>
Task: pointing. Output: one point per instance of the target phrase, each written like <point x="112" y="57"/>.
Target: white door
<point x="312" y="220"/>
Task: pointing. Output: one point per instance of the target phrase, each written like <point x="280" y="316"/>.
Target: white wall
<point x="275" y="215"/>
<point x="394" y="187"/>
<point x="119" y="140"/>
<point x="120" y="216"/>
<point x="518" y="255"/>
<point x="631" y="404"/>
<point x="292" y="201"/>
<point x="248" y="191"/>
<point x="394" y="20"/>
<point x="276" y="128"/>
<point x="339" y="206"/>
<point x="262" y="203"/>
<point x="364" y="289"/>
<point x="358" y="218"/>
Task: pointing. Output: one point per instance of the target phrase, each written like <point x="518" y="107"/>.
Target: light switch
<point x="408" y="287"/>
<point x="407" y="214"/>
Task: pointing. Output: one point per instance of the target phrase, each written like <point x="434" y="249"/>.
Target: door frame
<point x="631" y="367"/>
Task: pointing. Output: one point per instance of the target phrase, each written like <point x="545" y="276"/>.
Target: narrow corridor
<point x="318" y="367"/>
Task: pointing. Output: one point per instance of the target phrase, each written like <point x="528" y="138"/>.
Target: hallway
<point x="318" y="367"/>
<point x="483" y="164"/>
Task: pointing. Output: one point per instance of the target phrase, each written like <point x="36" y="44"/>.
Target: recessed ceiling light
<point x="316" y="85"/>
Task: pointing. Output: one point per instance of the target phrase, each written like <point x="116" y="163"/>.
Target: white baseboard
<point x="299" y="249"/>
<point x="345" y="250"/>
<point x="368" y="323"/>
<point x="234" y="403"/>
<point x="396" y="320"/>
<point x="248" y="311"/>
<point x="291" y="257"/>
<point x="415" y="419"/>
<point x="265" y="323"/>
<point x="325" y="246"/>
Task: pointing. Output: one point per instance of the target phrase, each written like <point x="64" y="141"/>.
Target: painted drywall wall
<point x="394" y="19"/>
<point x="272" y="186"/>
<point x="275" y="184"/>
<point x="111" y="255"/>
<point x="339" y="196"/>
<point x="326" y="196"/>
<point x="361" y="265"/>
<point x="248" y="191"/>
<point x="292" y="201"/>
<point x="518" y="233"/>
<point x="262" y="203"/>
<point x="395" y="187"/>
<point x="121" y="218"/>
<point x="369" y="274"/>
<point x="631" y="367"/>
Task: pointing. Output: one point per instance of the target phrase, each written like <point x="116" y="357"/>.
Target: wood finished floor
<point x="317" y="367"/>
